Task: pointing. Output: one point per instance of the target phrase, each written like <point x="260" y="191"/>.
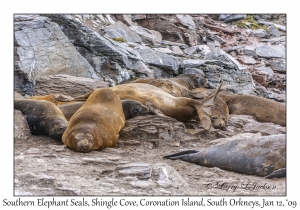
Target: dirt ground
<point x="44" y="166"/>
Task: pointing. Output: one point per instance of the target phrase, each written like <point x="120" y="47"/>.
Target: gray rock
<point x="140" y="170"/>
<point x="261" y="33"/>
<point x="182" y="46"/>
<point x="142" y="184"/>
<point x="273" y="31"/>
<point x="247" y="60"/>
<point x="278" y="65"/>
<point x="280" y="27"/>
<point x="172" y="28"/>
<point x="120" y="30"/>
<point x="140" y="67"/>
<point x="193" y="71"/>
<point x="268" y="51"/>
<point x="187" y="21"/>
<point x="199" y="49"/>
<point x="248" y="124"/>
<point x="150" y="37"/>
<point x="168" y="176"/>
<point x="176" y="50"/>
<point x="231" y="17"/>
<point x="21" y="128"/>
<point x="138" y="17"/>
<point x="42" y="49"/>
<point x="109" y="58"/>
<point x="250" y="50"/>
<point x="266" y="70"/>
<point x="161" y="60"/>
<point x="221" y="68"/>
<point x="68" y="85"/>
<point x="154" y="127"/>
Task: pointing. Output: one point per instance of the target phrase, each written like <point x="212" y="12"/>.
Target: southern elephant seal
<point x="181" y="108"/>
<point x="260" y="156"/>
<point x="43" y="117"/>
<point x="131" y="108"/>
<point x="264" y="110"/>
<point x="97" y="123"/>
<point x="179" y="86"/>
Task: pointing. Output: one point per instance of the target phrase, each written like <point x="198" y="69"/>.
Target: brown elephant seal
<point x="97" y="123"/>
<point x="264" y="110"/>
<point x="181" y="108"/>
<point x="131" y="108"/>
<point x="261" y="156"/>
<point x="55" y="98"/>
<point x="179" y="86"/>
<point x="43" y="117"/>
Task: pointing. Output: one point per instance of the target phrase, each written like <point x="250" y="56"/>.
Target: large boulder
<point x="67" y="85"/>
<point x="120" y="30"/>
<point x="220" y="66"/>
<point x="160" y="59"/>
<point x="174" y="28"/>
<point x="110" y="59"/>
<point x="42" y="49"/>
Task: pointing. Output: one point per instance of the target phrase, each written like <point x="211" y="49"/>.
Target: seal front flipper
<point x="204" y="107"/>
<point x="179" y="155"/>
<point x="155" y="110"/>
<point x="277" y="174"/>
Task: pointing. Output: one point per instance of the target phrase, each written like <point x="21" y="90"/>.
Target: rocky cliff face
<point x="247" y="52"/>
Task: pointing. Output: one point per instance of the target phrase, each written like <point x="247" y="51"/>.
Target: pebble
<point x="142" y="184"/>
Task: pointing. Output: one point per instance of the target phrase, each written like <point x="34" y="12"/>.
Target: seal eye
<point x="137" y="109"/>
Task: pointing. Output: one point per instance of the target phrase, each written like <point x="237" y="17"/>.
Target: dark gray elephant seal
<point x="131" y="108"/>
<point x="262" y="156"/>
<point x="43" y="117"/>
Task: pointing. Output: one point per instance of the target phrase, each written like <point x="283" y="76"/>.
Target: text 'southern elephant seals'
<point x="97" y="123"/>
<point x="261" y="156"/>
<point x="43" y="117"/>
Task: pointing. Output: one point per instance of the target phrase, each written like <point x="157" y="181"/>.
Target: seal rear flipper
<point x="178" y="155"/>
<point x="83" y="97"/>
<point x="204" y="110"/>
<point x="277" y="173"/>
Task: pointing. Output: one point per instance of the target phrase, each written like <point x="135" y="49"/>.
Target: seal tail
<point x="204" y="110"/>
<point x="277" y="174"/>
<point x="179" y="155"/>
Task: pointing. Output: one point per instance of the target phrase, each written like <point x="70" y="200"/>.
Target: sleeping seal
<point x="43" y="117"/>
<point x="261" y="156"/>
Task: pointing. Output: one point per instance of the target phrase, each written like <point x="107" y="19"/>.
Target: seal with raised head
<point x="97" y="123"/>
<point x="131" y="108"/>
<point x="261" y="156"/>
<point x="179" y="86"/>
<point x="55" y="98"/>
<point x="43" y="117"/>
